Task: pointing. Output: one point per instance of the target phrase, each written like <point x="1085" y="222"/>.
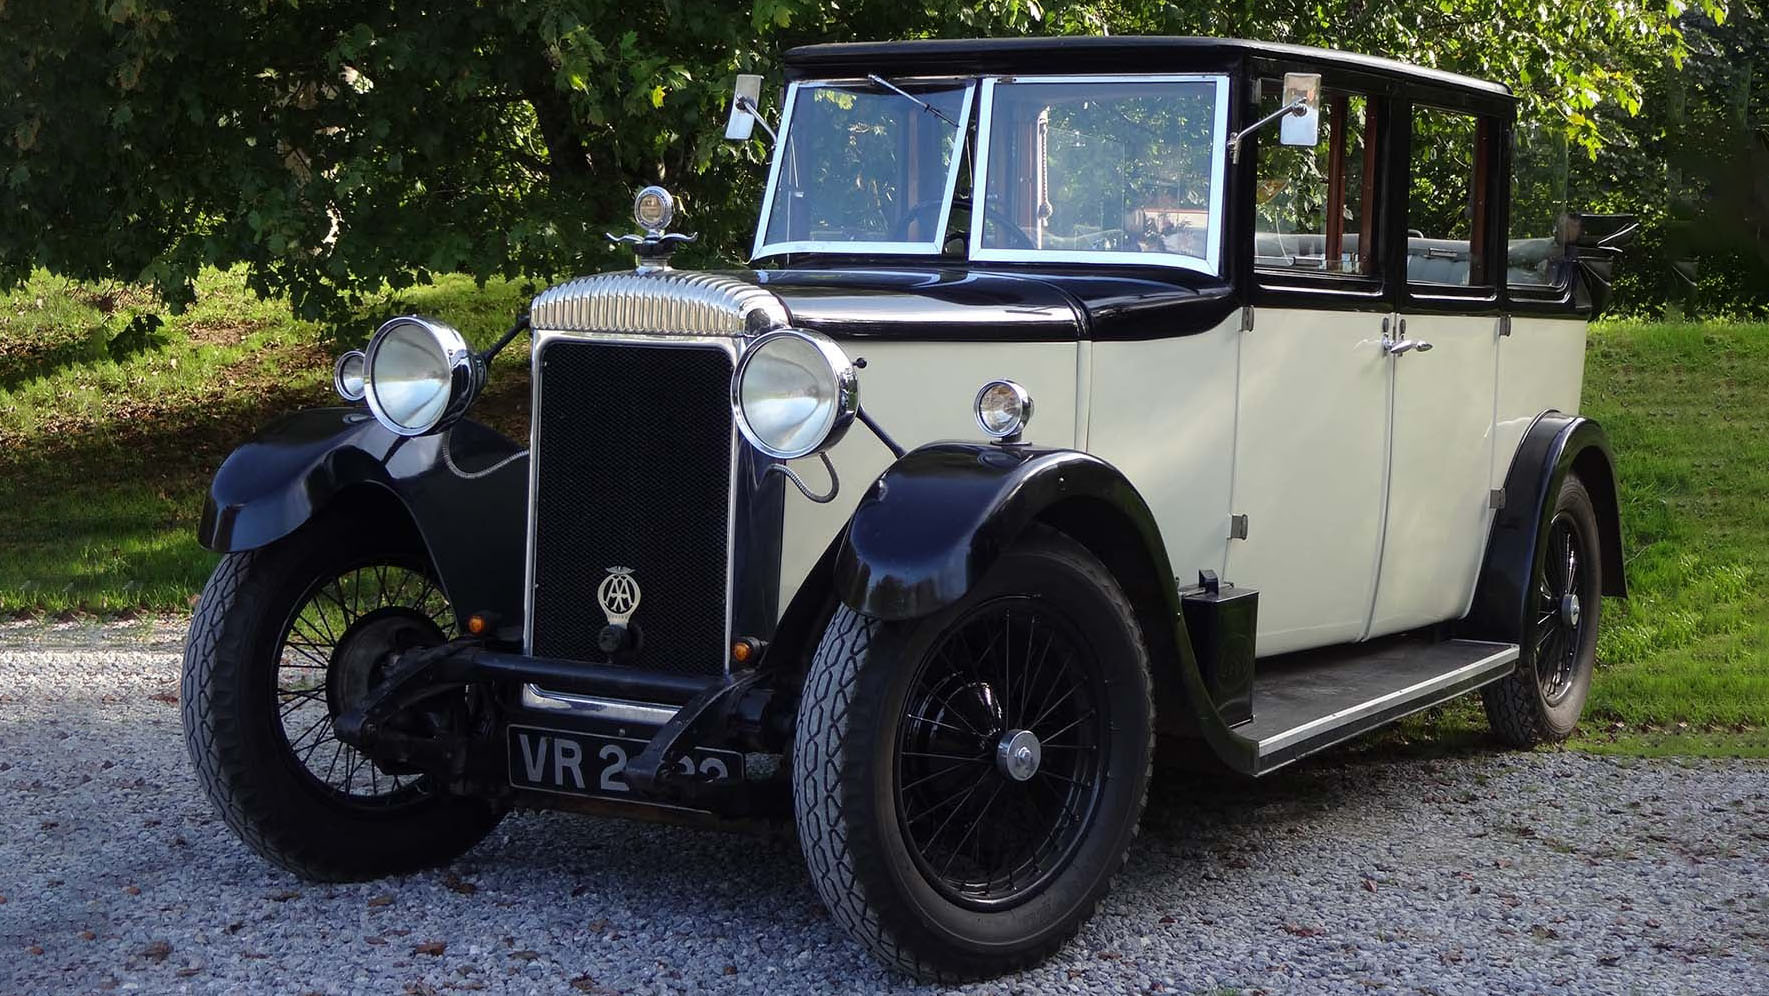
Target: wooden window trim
<point x="1480" y="203"/>
<point x="1338" y="110"/>
<point x="1366" y="247"/>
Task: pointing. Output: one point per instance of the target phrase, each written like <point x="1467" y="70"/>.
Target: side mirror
<point x="1302" y="129"/>
<point x="743" y="107"/>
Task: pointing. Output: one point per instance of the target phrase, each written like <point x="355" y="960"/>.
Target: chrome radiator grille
<point x="633" y="452"/>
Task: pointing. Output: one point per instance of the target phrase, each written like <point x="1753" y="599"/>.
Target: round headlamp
<point x="794" y="393"/>
<point x="1003" y="409"/>
<point x="348" y="376"/>
<point x="420" y="375"/>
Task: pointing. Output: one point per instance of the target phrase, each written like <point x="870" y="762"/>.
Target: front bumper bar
<point x="715" y="711"/>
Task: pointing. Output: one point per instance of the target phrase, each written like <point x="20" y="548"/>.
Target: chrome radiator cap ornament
<point x="653" y="210"/>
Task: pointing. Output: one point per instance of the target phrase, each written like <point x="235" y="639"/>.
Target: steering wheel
<point x="1016" y="236"/>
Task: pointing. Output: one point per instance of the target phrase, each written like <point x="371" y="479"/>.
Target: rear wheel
<point x="1541" y="701"/>
<point x="286" y="638"/>
<point x="967" y="784"/>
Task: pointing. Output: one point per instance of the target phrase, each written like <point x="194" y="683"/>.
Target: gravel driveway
<point x="1489" y="873"/>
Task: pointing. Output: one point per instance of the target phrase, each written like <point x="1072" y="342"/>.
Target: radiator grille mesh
<point x="633" y="469"/>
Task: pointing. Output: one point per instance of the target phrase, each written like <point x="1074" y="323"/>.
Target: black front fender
<point x="935" y="522"/>
<point x="466" y="491"/>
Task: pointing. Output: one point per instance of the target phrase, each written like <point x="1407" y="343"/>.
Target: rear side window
<point x="1447" y="209"/>
<point x="1316" y="206"/>
<point x="1535" y="250"/>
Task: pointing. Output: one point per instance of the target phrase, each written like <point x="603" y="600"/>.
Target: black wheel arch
<point x="1554" y="446"/>
<point x="463" y="491"/>
<point x="928" y="529"/>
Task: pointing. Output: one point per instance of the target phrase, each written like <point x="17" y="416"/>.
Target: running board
<point x="1309" y="701"/>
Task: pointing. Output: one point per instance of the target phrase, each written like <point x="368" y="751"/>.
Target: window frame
<point x="1491" y="180"/>
<point x="1378" y="104"/>
<point x="1556" y="293"/>
<point x="761" y="249"/>
<point x="1211" y="263"/>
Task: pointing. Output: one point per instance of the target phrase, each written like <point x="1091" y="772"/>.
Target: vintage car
<point x="1080" y="392"/>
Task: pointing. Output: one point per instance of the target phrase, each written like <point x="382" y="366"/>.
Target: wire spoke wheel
<point x="1000" y="749"/>
<point x="1563" y="594"/>
<point x="332" y="648"/>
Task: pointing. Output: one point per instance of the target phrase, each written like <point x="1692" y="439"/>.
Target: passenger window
<point x="1541" y="226"/>
<point x="1447" y="199"/>
<point x="1316" y="206"/>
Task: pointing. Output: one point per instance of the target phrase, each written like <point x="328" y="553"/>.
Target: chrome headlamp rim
<point x="342" y="382"/>
<point x="1022" y="398"/>
<point x="847" y="392"/>
<point x="466" y="374"/>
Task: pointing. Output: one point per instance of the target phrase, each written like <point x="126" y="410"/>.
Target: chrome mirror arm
<point x="749" y="107"/>
<point x="1297" y="107"/>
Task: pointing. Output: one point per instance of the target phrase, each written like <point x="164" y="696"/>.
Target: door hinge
<point x="1247" y="318"/>
<point x="1237" y="527"/>
<point x="1504" y="325"/>
<point x="1495" y="499"/>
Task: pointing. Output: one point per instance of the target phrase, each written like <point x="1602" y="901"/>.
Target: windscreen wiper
<point x="878" y="80"/>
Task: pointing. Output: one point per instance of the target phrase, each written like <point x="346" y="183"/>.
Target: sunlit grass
<point x="105" y="453"/>
<point x="1687" y="408"/>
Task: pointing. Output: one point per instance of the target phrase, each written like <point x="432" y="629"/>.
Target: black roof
<point x="1103" y="53"/>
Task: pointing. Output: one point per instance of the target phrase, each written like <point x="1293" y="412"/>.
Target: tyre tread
<point x="830" y="754"/>
<point x="220" y="639"/>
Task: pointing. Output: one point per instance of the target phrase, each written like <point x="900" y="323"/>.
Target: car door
<point x="1444" y="351"/>
<point x="1313" y="398"/>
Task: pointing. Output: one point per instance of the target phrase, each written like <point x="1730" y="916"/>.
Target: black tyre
<point x="283" y="640"/>
<point x="966" y="785"/>
<point x="1541" y="701"/>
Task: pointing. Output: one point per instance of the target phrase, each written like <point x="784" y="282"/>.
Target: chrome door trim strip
<point x="1277" y="742"/>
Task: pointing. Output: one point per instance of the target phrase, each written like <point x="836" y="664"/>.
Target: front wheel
<point x="284" y="640"/>
<point x="967" y="784"/>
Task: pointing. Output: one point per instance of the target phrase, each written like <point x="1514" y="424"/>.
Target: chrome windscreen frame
<point x="932" y="247"/>
<point x="1212" y="261"/>
<point x="642" y="713"/>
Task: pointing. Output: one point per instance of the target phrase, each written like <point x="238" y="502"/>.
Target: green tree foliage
<point x="335" y="147"/>
<point x="1694" y="166"/>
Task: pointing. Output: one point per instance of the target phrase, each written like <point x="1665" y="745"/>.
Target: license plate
<point x="593" y="764"/>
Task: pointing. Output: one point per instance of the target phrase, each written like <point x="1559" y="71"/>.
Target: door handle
<point x="1405" y="346"/>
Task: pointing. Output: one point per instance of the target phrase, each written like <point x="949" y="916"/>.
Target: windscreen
<point x="864" y="168"/>
<point x="1077" y="168"/>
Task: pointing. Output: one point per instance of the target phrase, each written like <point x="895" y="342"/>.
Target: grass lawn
<point x="105" y="454"/>
<point x="104" y="458"/>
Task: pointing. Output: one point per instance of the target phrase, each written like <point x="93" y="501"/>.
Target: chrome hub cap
<point x="1018" y="754"/>
<point x="1558" y="638"/>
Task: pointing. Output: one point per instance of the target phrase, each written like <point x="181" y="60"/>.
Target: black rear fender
<point x="465" y="491"/>
<point x="1554" y="446"/>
